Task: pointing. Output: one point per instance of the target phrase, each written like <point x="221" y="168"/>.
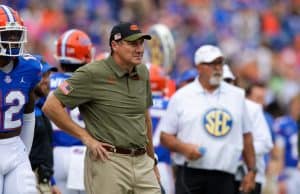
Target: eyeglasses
<point x="229" y="80"/>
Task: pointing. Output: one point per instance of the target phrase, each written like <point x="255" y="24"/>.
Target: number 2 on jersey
<point x="15" y="100"/>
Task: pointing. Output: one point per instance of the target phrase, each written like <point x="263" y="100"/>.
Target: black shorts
<point x="199" y="181"/>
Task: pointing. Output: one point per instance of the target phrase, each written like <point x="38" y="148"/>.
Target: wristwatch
<point x="252" y="169"/>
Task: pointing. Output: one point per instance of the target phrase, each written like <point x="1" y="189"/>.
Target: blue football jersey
<point x="158" y="109"/>
<point x="15" y="88"/>
<point x="286" y="136"/>
<point x="61" y="138"/>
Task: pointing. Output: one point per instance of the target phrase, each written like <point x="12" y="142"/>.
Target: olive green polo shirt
<point x="111" y="102"/>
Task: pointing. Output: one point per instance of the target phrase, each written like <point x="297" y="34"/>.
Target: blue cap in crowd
<point x="188" y="75"/>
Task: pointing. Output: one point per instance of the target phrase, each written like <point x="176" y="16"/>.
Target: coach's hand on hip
<point x="96" y="148"/>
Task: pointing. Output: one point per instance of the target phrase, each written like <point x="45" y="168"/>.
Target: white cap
<point x="227" y="74"/>
<point x="207" y="54"/>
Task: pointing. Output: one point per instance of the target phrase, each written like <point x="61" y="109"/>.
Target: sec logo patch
<point x="217" y="122"/>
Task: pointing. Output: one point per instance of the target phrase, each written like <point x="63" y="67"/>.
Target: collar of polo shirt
<point x="120" y="72"/>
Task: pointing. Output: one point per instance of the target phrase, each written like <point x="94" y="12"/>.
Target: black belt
<point x="131" y="152"/>
<point x="10" y="133"/>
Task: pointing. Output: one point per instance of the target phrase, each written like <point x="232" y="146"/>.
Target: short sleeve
<point x="169" y="122"/>
<point x="247" y="122"/>
<point x="36" y="74"/>
<point x="77" y="89"/>
<point x="149" y="95"/>
<point x="261" y="133"/>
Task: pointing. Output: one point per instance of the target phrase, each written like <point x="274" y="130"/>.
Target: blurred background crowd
<point x="260" y="38"/>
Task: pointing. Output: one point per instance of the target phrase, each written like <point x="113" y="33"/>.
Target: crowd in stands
<point x="261" y="38"/>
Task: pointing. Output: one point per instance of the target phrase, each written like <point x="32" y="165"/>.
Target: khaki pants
<point x="121" y="174"/>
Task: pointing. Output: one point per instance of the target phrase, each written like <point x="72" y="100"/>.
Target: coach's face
<point x="130" y="52"/>
<point x="212" y="71"/>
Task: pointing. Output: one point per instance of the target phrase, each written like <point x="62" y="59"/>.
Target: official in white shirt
<point x="261" y="138"/>
<point x="207" y="126"/>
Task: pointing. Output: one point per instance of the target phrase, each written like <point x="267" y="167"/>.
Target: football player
<point x="286" y="139"/>
<point x="41" y="154"/>
<point x="73" y="50"/>
<point x="19" y="74"/>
